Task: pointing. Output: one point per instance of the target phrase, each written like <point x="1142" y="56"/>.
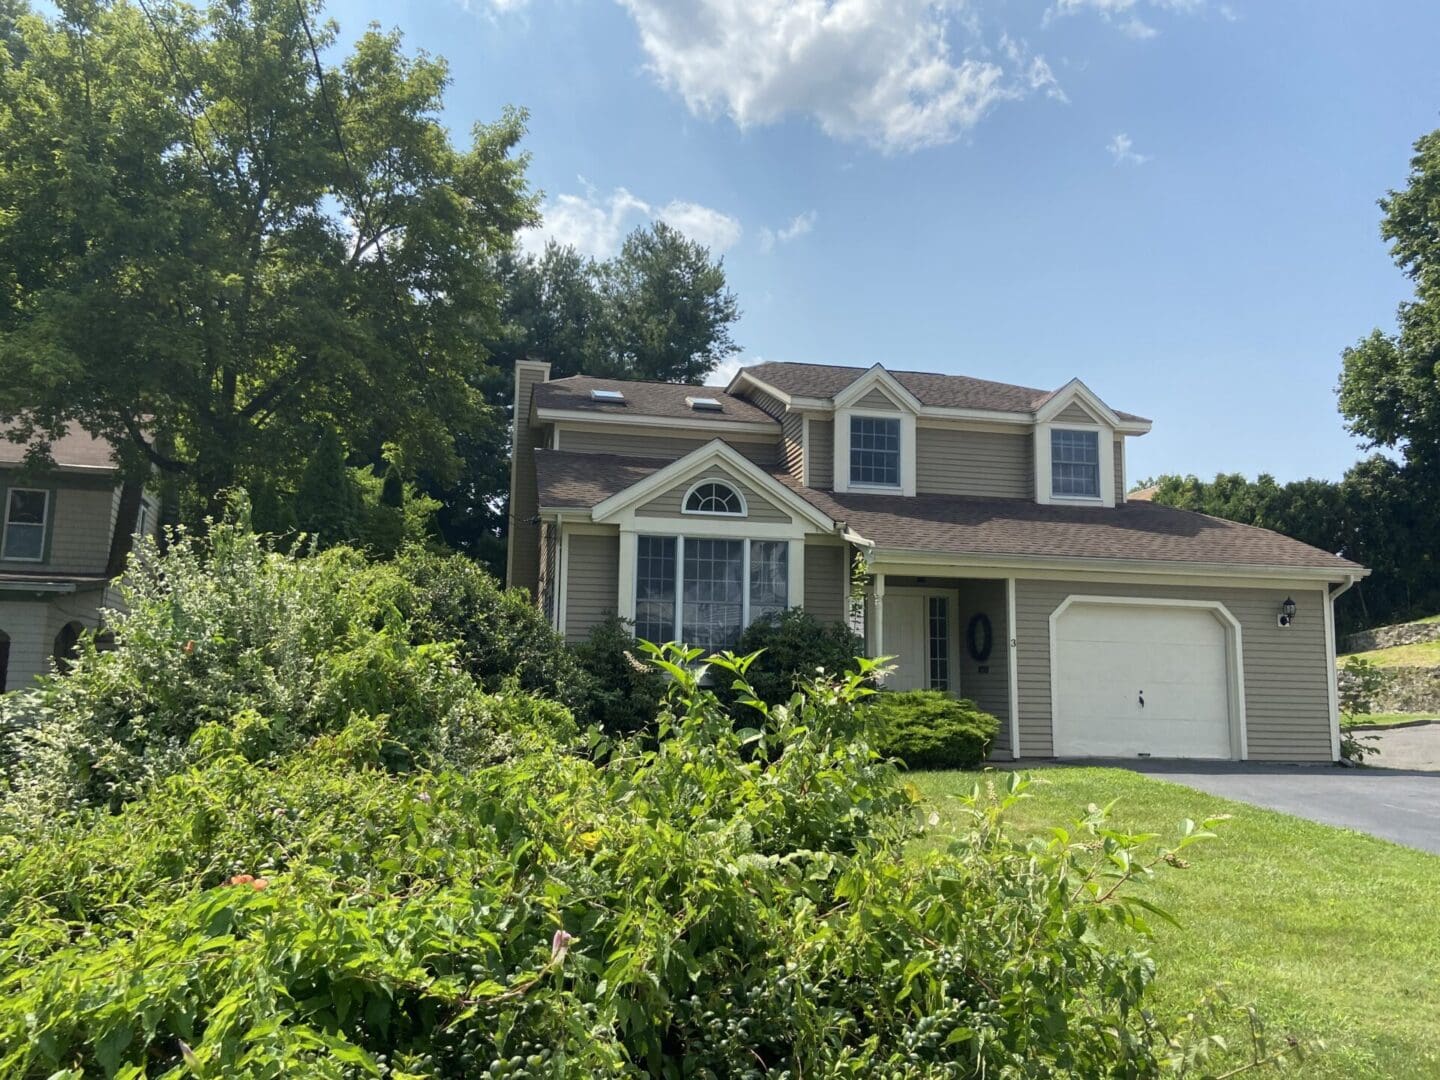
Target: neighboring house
<point x="1000" y="559"/>
<point x="62" y="542"/>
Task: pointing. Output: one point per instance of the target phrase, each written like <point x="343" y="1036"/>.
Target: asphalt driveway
<point x="1398" y="799"/>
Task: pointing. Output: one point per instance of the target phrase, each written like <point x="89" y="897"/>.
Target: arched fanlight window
<point x="714" y="497"/>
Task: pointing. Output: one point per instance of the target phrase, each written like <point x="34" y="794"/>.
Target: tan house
<point x="997" y="556"/>
<point x="64" y="535"/>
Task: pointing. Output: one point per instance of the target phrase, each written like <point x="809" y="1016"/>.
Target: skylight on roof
<point x="704" y="404"/>
<point x="606" y="395"/>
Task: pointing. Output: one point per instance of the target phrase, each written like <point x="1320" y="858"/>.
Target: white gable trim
<point x="1075" y="390"/>
<point x="877" y="376"/>
<point x="695" y="463"/>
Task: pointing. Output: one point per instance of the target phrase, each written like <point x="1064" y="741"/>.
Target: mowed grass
<point x="1334" y="935"/>
<point x="1386" y="719"/>
<point x="1420" y="654"/>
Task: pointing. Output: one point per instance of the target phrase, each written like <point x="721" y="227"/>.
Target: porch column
<point x="877" y="616"/>
<point x="625" y="579"/>
<point x="1012" y="652"/>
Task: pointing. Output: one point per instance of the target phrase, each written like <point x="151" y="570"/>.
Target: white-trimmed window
<point x="27" y="512"/>
<point x="704" y="591"/>
<point x="1074" y="463"/>
<point x="875" y="451"/>
<point x="714" y="497"/>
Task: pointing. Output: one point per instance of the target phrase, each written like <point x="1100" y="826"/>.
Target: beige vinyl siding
<point x="826" y="583"/>
<point x="32" y="626"/>
<point x="987" y="684"/>
<point x="768" y="402"/>
<point x="1074" y="413"/>
<point x="643" y="442"/>
<point x="591" y="573"/>
<point x="876" y="399"/>
<point x="79" y="521"/>
<point x="1119" y="468"/>
<point x="792" y="444"/>
<point x="1287" y="705"/>
<point x="820" y="454"/>
<point x="758" y="508"/>
<point x="987" y="464"/>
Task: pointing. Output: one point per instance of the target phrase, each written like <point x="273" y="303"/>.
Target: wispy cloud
<point x="596" y="224"/>
<point x="1123" y="151"/>
<point x="799" y="225"/>
<point x="1124" y="14"/>
<point x="726" y="369"/>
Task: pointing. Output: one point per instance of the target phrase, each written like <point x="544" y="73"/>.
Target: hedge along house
<point x="65" y="532"/>
<point x="997" y="555"/>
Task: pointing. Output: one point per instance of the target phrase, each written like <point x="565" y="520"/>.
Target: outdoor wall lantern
<point x="1287" y="613"/>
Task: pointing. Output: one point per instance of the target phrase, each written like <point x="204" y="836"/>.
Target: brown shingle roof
<point x="647" y="399"/>
<point x="1140" y="531"/>
<point x="76" y="449"/>
<point x="941" y="391"/>
<point x="961" y="526"/>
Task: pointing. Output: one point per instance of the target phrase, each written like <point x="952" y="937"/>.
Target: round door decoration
<point x="979" y="637"/>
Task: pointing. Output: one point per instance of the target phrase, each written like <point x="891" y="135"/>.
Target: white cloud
<point x="719" y="232"/>
<point x="1123" y="151"/>
<point x="1123" y="14"/>
<point x="877" y="71"/>
<point x="596" y="224"/>
<point x="799" y="225"/>
<point x="726" y="369"/>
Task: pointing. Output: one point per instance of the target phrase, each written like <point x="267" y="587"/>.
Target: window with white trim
<point x="704" y="591"/>
<point x="26" y="517"/>
<point x="875" y="450"/>
<point x="1075" y="463"/>
<point x="713" y="497"/>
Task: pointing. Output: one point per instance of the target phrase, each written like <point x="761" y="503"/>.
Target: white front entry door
<point x="1141" y="680"/>
<point x="906" y="641"/>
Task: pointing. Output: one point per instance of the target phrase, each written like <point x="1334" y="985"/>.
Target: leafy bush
<point x="623" y="691"/>
<point x="929" y="729"/>
<point x="793" y="647"/>
<point x="500" y="635"/>
<point x="686" y="907"/>
<point x="228" y="631"/>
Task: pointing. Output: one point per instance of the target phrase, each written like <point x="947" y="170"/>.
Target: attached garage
<point x="1138" y="677"/>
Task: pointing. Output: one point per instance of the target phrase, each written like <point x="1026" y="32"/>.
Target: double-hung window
<point x="26" y="514"/>
<point x="704" y="591"/>
<point x="875" y="450"/>
<point x="1075" y="464"/>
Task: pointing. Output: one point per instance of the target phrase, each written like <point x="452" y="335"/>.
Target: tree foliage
<point x="217" y="238"/>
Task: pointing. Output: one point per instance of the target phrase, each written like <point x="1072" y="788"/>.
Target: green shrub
<point x="686" y="907"/>
<point x="930" y="729"/>
<point x="500" y="635"/>
<point x="228" y="631"/>
<point x="794" y="646"/>
<point x="623" y="691"/>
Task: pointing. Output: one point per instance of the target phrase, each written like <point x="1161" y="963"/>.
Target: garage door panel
<point x="1109" y="657"/>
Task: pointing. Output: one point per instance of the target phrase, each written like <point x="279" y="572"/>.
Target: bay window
<point x="704" y="591"/>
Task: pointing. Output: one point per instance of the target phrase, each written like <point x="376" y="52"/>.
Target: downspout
<point x="1332" y="647"/>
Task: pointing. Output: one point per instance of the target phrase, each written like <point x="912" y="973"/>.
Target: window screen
<point x="769" y="577"/>
<point x="713" y="611"/>
<point x="1075" y="463"/>
<point x="875" y="451"/>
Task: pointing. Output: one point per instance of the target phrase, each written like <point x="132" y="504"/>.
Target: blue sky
<point x="1172" y="199"/>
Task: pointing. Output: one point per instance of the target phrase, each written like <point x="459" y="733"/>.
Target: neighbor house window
<point x="1075" y="463"/>
<point x="25" y="513"/>
<point x="713" y="497"/>
<point x="721" y="585"/>
<point x="875" y="451"/>
<point x="939" y="643"/>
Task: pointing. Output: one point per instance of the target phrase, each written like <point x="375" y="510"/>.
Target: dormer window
<point x="1074" y="464"/>
<point x="875" y="451"/>
<point x="26" y="511"/>
<point x="714" y="497"/>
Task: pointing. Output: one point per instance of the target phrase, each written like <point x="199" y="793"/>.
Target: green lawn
<point x="1332" y="934"/>
<point x="1420" y="654"/>
<point x="1385" y="719"/>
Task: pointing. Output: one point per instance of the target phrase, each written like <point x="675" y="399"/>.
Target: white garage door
<point x="1141" y="680"/>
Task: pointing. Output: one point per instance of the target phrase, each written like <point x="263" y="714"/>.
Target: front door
<point x="917" y="635"/>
